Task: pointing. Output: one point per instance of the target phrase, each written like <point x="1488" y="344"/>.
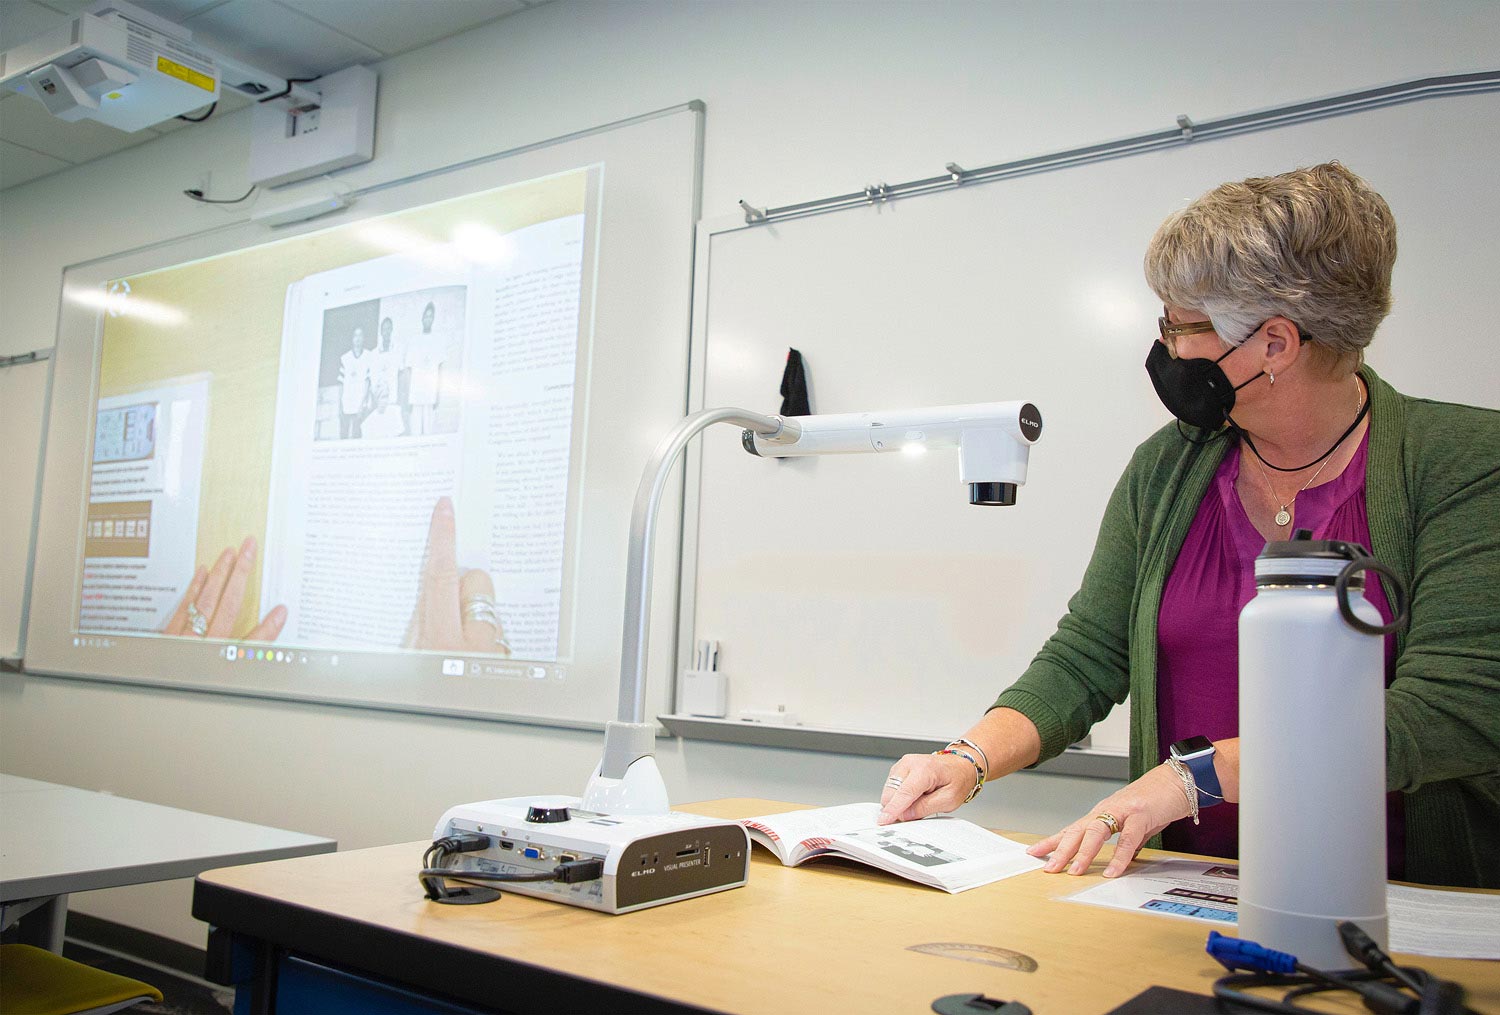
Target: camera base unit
<point x="648" y="860"/>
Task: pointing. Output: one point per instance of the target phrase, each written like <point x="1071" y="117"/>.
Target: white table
<point x="55" y="840"/>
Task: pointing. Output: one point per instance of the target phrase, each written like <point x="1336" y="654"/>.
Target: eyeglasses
<point x="1170" y="332"/>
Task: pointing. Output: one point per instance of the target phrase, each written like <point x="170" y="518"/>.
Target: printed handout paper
<point x="1423" y="921"/>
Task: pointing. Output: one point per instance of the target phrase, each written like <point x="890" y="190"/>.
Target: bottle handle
<point x="1400" y="605"/>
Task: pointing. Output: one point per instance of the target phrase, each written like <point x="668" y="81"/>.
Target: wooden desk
<point x="56" y="839"/>
<point x="829" y="937"/>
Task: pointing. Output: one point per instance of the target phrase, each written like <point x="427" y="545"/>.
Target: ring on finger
<point x="480" y="607"/>
<point x="196" y="620"/>
<point x="1110" y="821"/>
<point x="894" y="782"/>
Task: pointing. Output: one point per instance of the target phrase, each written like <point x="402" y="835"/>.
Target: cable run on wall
<point x="1185" y="132"/>
<point x="20" y="359"/>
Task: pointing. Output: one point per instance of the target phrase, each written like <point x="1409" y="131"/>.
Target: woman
<point x="1272" y="289"/>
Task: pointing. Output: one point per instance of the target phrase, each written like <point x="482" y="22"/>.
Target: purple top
<point x="1197" y="667"/>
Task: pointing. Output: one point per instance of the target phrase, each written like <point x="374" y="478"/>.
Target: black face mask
<point x="1196" y="391"/>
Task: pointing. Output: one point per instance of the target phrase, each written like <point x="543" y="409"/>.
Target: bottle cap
<point x="1302" y="544"/>
<point x="1303" y="560"/>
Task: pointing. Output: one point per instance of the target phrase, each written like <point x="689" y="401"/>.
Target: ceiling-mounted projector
<point x="129" y="69"/>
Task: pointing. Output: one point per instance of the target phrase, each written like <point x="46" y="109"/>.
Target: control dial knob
<point x="546" y="813"/>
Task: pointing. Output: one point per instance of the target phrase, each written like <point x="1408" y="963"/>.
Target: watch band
<point x="1200" y="762"/>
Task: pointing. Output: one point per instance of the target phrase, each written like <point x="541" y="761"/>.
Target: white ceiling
<point x="292" y="38"/>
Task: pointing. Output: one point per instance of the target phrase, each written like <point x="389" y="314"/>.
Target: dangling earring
<point x="1272" y="376"/>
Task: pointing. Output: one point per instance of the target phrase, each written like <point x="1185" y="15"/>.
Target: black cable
<point x="1434" y="996"/>
<point x="197" y="195"/>
<point x="1363" y="947"/>
<point x="288" y="89"/>
<point x="434" y="879"/>
<point x="461" y="875"/>
<point x="434" y="874"/>
<point x="1382" y="986"/>
<point x="569" y="873"/>
<point x="205" y="116"/>
<point x="434" y="856"/>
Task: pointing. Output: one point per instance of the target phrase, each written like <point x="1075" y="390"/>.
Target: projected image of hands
<point x="454" y="612"/>
<point x="212" y="602"/>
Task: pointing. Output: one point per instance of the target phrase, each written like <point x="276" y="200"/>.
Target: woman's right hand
<point x="929" y="784"/>
<point x="443" y="617"/>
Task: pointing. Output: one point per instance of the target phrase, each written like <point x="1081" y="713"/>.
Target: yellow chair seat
<point x="34" y="981"/>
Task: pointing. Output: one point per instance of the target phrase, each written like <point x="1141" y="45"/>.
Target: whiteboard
<point x="204" y="326"/>
<point x="863" y="592"/>
<point x="23" y="390"/>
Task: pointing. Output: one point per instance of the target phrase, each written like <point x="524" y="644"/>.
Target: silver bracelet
<point x="982" y="756"/>
<point x="1189" y="785"/>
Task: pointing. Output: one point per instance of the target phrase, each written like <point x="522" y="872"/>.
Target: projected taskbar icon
<point x="238" y="653"/>
<point x="501" y="668"/>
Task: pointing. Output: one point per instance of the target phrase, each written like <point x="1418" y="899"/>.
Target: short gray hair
<point x="1314" y="245"/>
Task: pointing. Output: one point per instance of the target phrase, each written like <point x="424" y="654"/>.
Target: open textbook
<point x="941" y="852"/>
<point x="406" y="379"/>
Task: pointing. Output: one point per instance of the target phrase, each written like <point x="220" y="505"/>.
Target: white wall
<point x="804" y="100"/>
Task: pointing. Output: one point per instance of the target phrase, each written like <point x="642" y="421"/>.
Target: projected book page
<point x="364" y="440"/>
<point x="405" y="380"/>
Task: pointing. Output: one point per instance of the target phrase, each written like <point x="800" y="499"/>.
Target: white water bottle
<point x="1312" y="750"/>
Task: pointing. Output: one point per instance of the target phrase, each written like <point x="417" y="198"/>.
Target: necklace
<point x="1284" y="515"/>
<point x="1250" y="443"/>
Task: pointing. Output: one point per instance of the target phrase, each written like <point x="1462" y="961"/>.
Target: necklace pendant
<point x="1283" y="518"/>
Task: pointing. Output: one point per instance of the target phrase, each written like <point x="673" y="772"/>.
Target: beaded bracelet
<point x="978" y="768"/>
<point x="969" y="743"/>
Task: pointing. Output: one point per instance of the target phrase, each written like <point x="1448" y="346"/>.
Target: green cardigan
<point x="1432" y="493"/>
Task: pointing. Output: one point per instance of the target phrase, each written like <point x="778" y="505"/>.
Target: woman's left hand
<point x="1141" y="809"/>
<point x="212" y="602"/>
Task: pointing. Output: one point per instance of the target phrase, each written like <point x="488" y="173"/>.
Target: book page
<point x="517" y="462"/>
<point x="142" y="527"/>
<point x="368" y="437"/>
<point x="810" y="829"/>
<point x="942" y="851"/>
<point x="948" y="852"/>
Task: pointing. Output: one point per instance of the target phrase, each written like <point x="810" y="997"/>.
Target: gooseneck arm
<point x="643" y="536"/>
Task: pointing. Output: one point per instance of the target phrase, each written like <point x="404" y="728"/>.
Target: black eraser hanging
<point x="794" y="386"/>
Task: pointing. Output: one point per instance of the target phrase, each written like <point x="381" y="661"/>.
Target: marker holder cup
<point x="705" y="693"/>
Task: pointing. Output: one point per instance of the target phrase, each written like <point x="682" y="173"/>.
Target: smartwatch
<point x="1197" y="753"/>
